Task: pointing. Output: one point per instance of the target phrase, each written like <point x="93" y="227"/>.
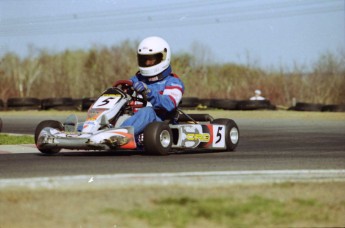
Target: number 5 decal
<point x="219" y="139"/>
<point x="219" y="135"/>
<point x="106" y="102"/>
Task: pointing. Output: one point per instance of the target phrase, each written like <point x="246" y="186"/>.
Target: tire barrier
<point x="224" y="104"/>
<point x="64" y="103"/>
<point x="302" y="106"/>
<point x="205" y="103"/>
<point x="87" y="102"/>
<point x="2" y="105"/>
<point x="67" y="103"/>
<point x="189" y="102"/>
<point x="23" y="104"/>
<point x="333" y="108"/>
<point x="255" y="105"/>
<point x="313" y="107"/>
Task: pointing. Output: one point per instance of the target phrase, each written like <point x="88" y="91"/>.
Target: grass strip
<point x="245" y="205"/>
<point x="7" y="139"/>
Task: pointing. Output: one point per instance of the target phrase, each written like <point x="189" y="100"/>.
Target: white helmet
<point x="258" y="92"/>
<point x="153" y="49"/>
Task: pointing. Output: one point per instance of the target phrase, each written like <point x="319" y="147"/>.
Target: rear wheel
<point x="47" y="123"/>
<point x="232" y="133"/>
<point x="157" y="138"/>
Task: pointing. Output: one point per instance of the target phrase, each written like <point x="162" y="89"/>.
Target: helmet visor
<point x="149" y="60"/>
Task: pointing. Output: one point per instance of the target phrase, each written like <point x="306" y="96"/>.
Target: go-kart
<point x="101" y="130"/>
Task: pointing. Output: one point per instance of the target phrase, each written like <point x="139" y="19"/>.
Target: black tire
<point x="78" y="104"/>
<point x="254" y="105"/>
<point x="300" y="106"/>
<point x="158" y="138"/>
<point x="189" y="102"/>
<point x="333" y="108"/>
<point x="232" y="133"/>
<point x="226" y="104"/>
<point x="2" y="105"/>
<point x="23" y="103"/>
<point x="48" y="123"/>
<point x="86" y="103"/>
<point x="63" y="103"/>
<point x="205" y="103"/>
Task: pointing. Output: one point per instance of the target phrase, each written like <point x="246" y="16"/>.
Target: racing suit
<point x="164" y="96"/>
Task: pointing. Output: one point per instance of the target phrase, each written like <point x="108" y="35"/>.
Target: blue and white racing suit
<point x="164" y="95"/>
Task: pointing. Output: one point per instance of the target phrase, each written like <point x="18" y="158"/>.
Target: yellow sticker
<point x="205" y="137"/>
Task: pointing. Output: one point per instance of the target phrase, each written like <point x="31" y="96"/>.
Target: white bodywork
<point x="96" y="133"/>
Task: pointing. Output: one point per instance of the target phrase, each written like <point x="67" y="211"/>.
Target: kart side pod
<point x="220" y="134"/>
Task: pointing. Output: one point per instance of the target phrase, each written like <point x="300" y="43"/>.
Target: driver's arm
<point x="169" y="98"/>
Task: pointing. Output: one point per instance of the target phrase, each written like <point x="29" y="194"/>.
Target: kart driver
<point x="155" y="80"/>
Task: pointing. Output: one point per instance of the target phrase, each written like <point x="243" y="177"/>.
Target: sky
<point x="266" y="33"/>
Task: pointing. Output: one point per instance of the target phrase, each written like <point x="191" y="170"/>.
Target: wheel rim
<point x="234" y="135"/>
<point x="165" y="138"/>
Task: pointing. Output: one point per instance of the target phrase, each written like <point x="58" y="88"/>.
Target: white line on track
<point x="18" y="149"/>
<point x="182" y="178"/>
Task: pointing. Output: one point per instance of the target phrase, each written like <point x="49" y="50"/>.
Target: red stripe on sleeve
<point x="173" y="100"/>
<point x="174" y="87"/>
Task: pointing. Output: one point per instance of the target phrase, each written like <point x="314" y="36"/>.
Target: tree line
<point x="86" y="73"/>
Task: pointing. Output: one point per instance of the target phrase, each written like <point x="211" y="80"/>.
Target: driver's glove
<point x="142" y="88"/>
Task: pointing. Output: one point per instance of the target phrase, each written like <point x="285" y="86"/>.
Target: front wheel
<point x="232" y="133"/>
<point x="158" y="138"/>
<point x="47" y="123"/>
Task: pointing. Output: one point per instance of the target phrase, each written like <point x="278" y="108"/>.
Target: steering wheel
<point x="126" y="86"/>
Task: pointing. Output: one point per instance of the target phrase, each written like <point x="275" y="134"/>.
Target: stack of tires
<point x="2" y="105"/>
<point x="66" y="103"/>
<point x="23" y="104"/>
<point x="87" y="102"/>
<point x="189" y="102"/>
<point x="226" y="104"/>
<point x="63" y="103"/>
<point x="194" y="102"/>
<point x="255" y="105"/>
<point x="333" y="108"/>
<point x="313" y="107"/>
<point x="301" y="106"/>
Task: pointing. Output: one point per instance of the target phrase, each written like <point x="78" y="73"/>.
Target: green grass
<point x="185" y="211"/>
<point x="6" y="139"/>
<point x="266" y="205"/>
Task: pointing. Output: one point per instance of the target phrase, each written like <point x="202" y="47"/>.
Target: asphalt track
<point x="266" y="144"/>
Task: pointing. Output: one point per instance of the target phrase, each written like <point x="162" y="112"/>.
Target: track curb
<point x="202" y="179"/>
<point x="18" y="149"/>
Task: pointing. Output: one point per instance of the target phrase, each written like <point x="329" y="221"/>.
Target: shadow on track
<point x="93" y="154"/>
